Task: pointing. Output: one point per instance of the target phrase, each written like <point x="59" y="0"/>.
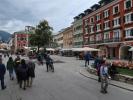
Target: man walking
<point x="87" y="59"/>
<point x="2" y="73"/>
<point x="104" y="76"/>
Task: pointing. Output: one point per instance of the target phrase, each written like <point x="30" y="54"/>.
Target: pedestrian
<point x="104" y="76"/>
<point x="23" y="74"/>
<point x="10" y="67"/>
<point x="31" y="73"/>
<point x="48" y="61"/>
<point x="87" y="59"/>
<point x="97" y="64"/>
<point x="40" y="60"/>
<point x="17" y="63"/>
<point x="2" y="73"/>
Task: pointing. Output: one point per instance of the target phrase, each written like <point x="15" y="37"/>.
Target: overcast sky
<point x="15" y="14"/>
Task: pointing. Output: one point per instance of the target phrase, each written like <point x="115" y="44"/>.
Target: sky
<point x="16" y="14"/>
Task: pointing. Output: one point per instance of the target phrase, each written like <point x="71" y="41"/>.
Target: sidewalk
<point x="121" y="85"/>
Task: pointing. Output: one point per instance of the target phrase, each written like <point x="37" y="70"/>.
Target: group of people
<point x="24" y="70"/>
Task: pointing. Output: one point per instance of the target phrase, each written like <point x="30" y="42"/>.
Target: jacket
<point x="10" y="65"/>
<point x="2" y="70"/>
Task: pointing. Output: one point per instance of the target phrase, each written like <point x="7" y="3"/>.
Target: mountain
<point x="4" y="36"/>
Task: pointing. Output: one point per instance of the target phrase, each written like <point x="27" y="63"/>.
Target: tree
<point x="42" y="36"/>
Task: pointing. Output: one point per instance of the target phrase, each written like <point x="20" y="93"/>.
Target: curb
<point x="109" y="83"/>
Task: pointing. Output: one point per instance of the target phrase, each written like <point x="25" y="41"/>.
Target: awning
<point x="85" y="49"/>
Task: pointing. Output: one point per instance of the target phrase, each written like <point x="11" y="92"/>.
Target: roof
<point x="24" y="32"/>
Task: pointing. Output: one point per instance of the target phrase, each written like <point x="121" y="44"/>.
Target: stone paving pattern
<point x="65" y="84"/>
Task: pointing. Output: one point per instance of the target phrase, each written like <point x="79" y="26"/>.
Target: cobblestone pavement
<point x="66" y="83"/>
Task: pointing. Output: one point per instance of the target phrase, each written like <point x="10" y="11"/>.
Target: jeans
<point x="86" y="61"/>
<point x="104" y="83"/>
<point x="11" y="74"/>
<point x="2" y="82"/>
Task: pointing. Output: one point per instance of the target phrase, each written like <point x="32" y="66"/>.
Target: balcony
<point x="99" y="41"/>
<point x="92" y="42"/>
<point x="128" y="38"/>
<point x="108" y="40"/>
<point x="118" y="39"/>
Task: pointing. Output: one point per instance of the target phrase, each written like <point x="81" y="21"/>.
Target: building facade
<point x="21" y="39"/>
<point x="78" y="31"/>
<point x="109" y="27"/>
<point x="58" y="38"/>
<point x="68" y="37"/>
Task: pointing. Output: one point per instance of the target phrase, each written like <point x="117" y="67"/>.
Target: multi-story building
<point x="109" y="27"/>
<point x="68" y="37"/>
<point x="78" y="31"/>
<point x="21" y="38"/>
<point x="58" y="38"/>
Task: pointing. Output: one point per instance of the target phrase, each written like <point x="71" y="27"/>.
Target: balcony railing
<point x="117" y="39"/>
<point x="92" y="42"/>
<point x="106" y="41"/>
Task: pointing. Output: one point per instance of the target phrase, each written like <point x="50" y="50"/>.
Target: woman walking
<point x="10" y="67"/>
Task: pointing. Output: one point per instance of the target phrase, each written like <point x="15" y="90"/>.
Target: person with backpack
<point x="104" y="76"/>
<point x="2" y="73"/>
<point x="10" y="67"/>
<point x="23" y="74"/>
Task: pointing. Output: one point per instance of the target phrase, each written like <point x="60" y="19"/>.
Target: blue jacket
<point x="2" y="70"/>
<point x="49" y="60"/>
<point x="87" y="57"/>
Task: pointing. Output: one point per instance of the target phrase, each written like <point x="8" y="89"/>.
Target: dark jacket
<point x="10" y="65"/>
<point x="16" y="63"/>
<point x="23" y="72"/>
<point x="87" y="57"/>
<point x="31" y="69"/>
<point x="48" y="60"/>
<point x="2" y="70"/>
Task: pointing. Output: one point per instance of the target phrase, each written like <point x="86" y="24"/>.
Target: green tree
<point x="42" y="36"/>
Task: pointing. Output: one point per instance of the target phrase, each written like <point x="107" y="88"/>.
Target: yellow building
<point x="68" y="37"/>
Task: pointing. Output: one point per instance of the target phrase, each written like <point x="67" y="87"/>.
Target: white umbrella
<point x="50" y="49"/>
<point x="131" y="49"/>
<point x="66" y="49"/>
<point x="85" y="49"/>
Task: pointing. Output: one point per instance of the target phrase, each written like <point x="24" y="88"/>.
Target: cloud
<point x="15" y="14"/>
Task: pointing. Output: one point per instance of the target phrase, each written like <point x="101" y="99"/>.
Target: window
<point x="129" y="32"/>
<point x="128" y="18"/>
<point x="116" y="22"/>
<point x="92" y="19"/>
<point x="92" y="29"/>
<point x="107" y="35"/>
<point x="98" y="17"/>
<point x="98" y="37"/>
<point x="92" y="38"/>
<point x="116" y="9"/>
<point x="86" y="22"/>
<point x="106" y="13"/>
<point x="18" y="38"/>
<point x="98" y="27"/>
<point x="106" y="25"/>
<point x="127" y="4"/>
<point x="86" y="31"/>
<point x="116" y="34"/>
